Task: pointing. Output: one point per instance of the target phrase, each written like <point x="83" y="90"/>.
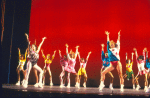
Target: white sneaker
<point x="133" y="87"/>
<point x="36" y="84"/>
<point x="122" y="88"/>
<point x="138" y="87"/>
<point x="76" y="84"/>
<point x="146" y="89"/>
<point x="40" y="85"/>
<point x="62" y="85"/>
<point x="43" y="83"/>
<point x="18" y="83"/>
<point x="22" y="82"/>
<point x="68" y="86"/>
<point x="25" y="85"/>
<point x="84" y="84"/>
<point x="111" y="87"/>
<point x="51" y="84"/>
<point x="101" y="87"/>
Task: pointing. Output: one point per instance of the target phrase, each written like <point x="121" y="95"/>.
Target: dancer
<point x="129" y="72"/>
<point x="113" y="53"/>
<point x="48" y="61"/>
<point x="22" y="60"/>
<point x="63" y="63"/>
<point x="33" y="58"/>
<point x="148" y="66"/>
<point x="71" y="64"/>
<point x="82" y="70"/>
<point x="141" y="69"/>
<point x="106" y="63"/>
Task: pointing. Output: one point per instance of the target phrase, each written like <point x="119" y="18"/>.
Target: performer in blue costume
<point x="106" y="63"/>
<point x="113" y="54"/>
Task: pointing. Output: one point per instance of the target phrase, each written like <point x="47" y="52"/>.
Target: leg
<point x="106" y="70"/>
<point x="68" y="80"/>
<point x="50" y="74"/>
<point x="29" y="66"/>
<point x="36" y="75"/>
<point x="111" y="80"/>
<point x="18" y="74"/>
<point x="119" y="69"/>
<point x="85" y="79"/>
<point x="137" y="83"/>
<point x="40" y="74"/>
<point x="133" y="81"/>
<point x="61" y="76"/>
<point x="124" y="76"/>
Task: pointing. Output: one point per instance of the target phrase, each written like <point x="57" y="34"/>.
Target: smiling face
<point x="112" y="44"/>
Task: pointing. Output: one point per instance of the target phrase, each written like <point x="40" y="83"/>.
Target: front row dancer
<point x="141" y="69"/>
<point x="129" y="72"/>
<point x="32" y="62"/>
<point x="82" y="71"/>
<point x="106" y="63"/>
<point x="113" y="54"/>
<point x="48" y="62"/>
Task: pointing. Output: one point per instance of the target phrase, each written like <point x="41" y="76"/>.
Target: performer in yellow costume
<point x="20" y="67"/>
<point x="82" y="70"/>
<point x="47" y="61"/>
<point x="129" y="72"/>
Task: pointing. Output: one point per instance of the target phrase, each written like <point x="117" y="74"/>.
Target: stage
<point x="11" y="90"/>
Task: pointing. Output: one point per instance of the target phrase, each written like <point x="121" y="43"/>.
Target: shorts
<point x="129" y="75"/>
<point x="20" y="67"/>
<point x="143" y="72"/>
<point x="114" y="63"/>
<point x="82" y="71"/>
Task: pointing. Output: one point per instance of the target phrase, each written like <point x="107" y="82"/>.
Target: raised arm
<point x="107" y="33"/>
<point x="119" y="36"/>
<point x="76" y="52"/>
<point x="53" y="55"/>
<point x="136" y="54"/>
<point x="79" y="56"/>
<point x="43" y="54"/>
<point x="88" y="56"/>
<point x="19" y="52"/>
<point x="67" y="51"/>
<point x="144" y="50"/>
<point x="103" y="55"/>
<point x="26" y="53"/>
<point x="126" y="56"/>
<point x="39" y="47"/>
<point x="59" y="53"/>
<point x="132" y="56"/>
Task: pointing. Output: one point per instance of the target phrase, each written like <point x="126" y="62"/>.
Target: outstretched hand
<point x="134" y="49"/>
<point x="43" y="38"/>
<point x="106" y="32"/>
<point x="59" y="51"/>
<point x="77" y="47"/>
<point x="18" y="49"/>
<point x="132" y="53"/>
<point x="90" y="52"/>
<point x="55" y="51"/>
<point x="102" y="45"/>
<point x="26" y="35"/>
<point x="145" y="49"/>
<point x="66" y="45"/>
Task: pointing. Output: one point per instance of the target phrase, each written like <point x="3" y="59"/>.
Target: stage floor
<point x="56" y="90"/>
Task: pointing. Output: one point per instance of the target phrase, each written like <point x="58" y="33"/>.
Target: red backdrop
<point x="83" y="23"/>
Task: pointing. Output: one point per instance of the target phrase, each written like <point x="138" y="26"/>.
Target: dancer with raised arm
<point x="63" y="63"/>
<point x="48" y="62"/>
<point x="82" y="71"/>
<point x="141" y="69"/>
<point x="32" y="63"/>
<point x="106" y="63"/>
<point x="71" y="65"/>
<point x="148" y="66"/>
<point x="113" y="54"/>
<point x="129" y="72"/>
<point x="20" y="67"/>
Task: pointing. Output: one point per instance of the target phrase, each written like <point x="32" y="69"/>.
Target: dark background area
<point x="20" y="10"/>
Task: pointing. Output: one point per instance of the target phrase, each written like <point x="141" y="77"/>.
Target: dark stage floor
<point x="12" y="90"/>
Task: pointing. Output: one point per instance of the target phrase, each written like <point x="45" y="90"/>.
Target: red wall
<point x="83" y="23"/>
